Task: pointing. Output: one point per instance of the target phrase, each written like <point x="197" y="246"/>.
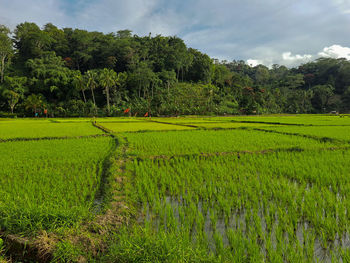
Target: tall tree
<point x="79" y="83"/>
<point x="14" y="90"/>
<point x="6" y="50"/>
<point x="92" y="84"/>
<point x="50" y="77"/>
<point x="59" y="42"/>
<point x="30" y="41"/>
<point x="322" y="94"/>
<point x="109" y="80"/>
<point x="168" y="78"/>
<point x="201" y="67"/>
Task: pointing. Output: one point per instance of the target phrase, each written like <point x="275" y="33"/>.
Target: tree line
<point x="74" y="72"/>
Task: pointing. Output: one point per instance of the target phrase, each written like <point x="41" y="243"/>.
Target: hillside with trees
<point x="73" y="72"/>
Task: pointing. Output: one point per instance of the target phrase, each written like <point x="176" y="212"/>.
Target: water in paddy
<point x="239" y="221"/>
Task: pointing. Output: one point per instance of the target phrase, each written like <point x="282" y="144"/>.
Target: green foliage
<point x="30" y="41"/>
<point x="227" y="106"/>
<point x="34" y="102"/>
<point x="6" y="50"/>
<point x="156" y="74"/>
<point x="322" y="94"/>
<point x="109" y="80"/>
<point x="201" y="67"/>
<point x="50" y="76"/>
<point x="14" y="89"/>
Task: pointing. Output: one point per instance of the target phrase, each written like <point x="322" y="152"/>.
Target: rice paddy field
<point x="11" y="129"/>
<point x="190" y="189"/>
<point x="49" y="183"/>
<point x="140" y="126"/>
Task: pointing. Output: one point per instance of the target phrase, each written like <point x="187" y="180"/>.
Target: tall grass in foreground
<point x="278" y="207"/>
<point x="49" y="184"/>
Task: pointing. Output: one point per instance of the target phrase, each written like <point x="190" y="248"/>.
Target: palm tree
<point x="34" y="102"/>
<point x="79" y="83"/>
<point x="92" y="84"/>
<point x="109" y="79"/>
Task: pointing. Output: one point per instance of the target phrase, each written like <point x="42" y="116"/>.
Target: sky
<point x="285" y="32"/>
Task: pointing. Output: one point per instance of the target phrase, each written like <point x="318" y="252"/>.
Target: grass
<point x="291" y="119"/>
<point x="44" y="128"/>
<point x="334" y="132"/>
<point x="73" y="120"/>
<point x="225" y="125"/>
<point x="140" y="126"/>
<point x="121" y="119"/>
<point x="183" y="120"/>
<point x="286" y="206"/>
<point x="183" y="194"/>
<point x="49" y="184"/>
<point x="212" y="141"/>
<point x="304" y="119"/>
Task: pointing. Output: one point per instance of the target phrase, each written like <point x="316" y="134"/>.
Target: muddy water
<point x="238" y="221"/>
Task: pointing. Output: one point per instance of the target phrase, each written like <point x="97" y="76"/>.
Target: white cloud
<point x="289" y="57"/>
<point x="335" y="51"/>
<point x="254" y="62"/>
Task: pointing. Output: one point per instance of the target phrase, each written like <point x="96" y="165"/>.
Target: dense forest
<point x="73" y="72"/>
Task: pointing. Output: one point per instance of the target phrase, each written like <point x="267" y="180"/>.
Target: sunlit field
<point x="206" y="189"/>
<point x="45" y="128"/>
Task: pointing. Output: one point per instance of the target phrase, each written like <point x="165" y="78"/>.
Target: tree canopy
<point x="74" y="72"/>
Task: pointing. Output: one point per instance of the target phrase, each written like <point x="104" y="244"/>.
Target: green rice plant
<point x="137" y="126"/>
<point x="345" y="254"/>
<point x="72" y="120"/>
<point x="121" y="119"/>
<point x="231" y="125"/>
<point x="219" y="245"/>
<point x="235" y="195"/>
<point x="275" y="194"/>
<point x="184" y="120"/>
<point x="45" y="129"/>
<point x="238" y="243"/>
<point x="144" y="245"/>
<point x="300" y="119"/>
<point x="341" y="133"/>
<point x="49" y="184"/>
<point x="222" y="141"/>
